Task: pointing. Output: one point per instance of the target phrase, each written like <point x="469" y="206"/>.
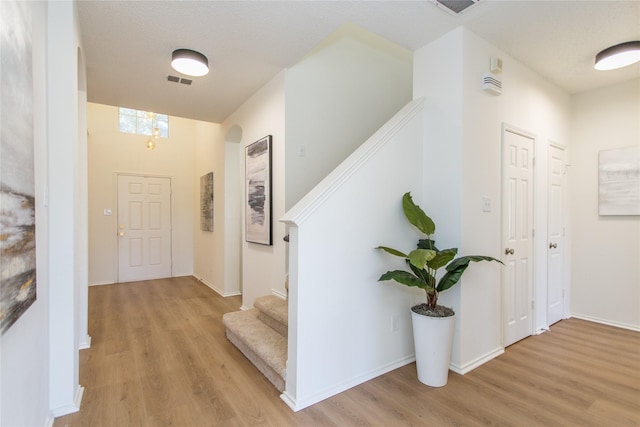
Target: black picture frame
<point x="258" y="200"/>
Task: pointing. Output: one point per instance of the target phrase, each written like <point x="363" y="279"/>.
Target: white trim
<point x="470" y="366"/>
<point x="49" y="421"/>
<point x="70" y="408"/>
<point x="83" y="345"/>
<point x="102" y="283"/>
<point x="299" y="404"/>
<point x="279" y="294"/>
<point x="215" y="289"/>
<point x="332" y="182"/>
<point x="635" y="328"/>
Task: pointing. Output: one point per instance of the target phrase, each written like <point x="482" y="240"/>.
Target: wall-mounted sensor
<point x="496" y="65"/>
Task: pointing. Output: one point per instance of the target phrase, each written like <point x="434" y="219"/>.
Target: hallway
<point x="160" y="357"/>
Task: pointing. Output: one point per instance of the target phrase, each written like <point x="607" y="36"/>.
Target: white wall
<point x="466" y="149"/>
<point x="208" y="263"/>
<point x="437" y="76"/>
<point x="338" y="96"/>
<point x="66" y="204"/>
<point x="24" y="348"/>
<point x="339" y="315"/>
<point x="263" y="267"/>
<point x="605" y="268"/>
<point x="111" y="152"/>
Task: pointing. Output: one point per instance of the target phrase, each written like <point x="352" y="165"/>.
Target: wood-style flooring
<point x="159" y="357"/>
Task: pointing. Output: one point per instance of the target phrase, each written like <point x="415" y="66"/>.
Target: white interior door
<point x="555" y="237"/>
<point x="517" y="229"/>
<point x="144" y="228"/>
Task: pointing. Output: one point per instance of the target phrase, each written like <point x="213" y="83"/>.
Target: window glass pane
<point x="145" y="125"/>
<point x="163" y="127"/>
<point x="127" y="124"/>
<point x="142" y="122"/>
<point x="127" y="111"/>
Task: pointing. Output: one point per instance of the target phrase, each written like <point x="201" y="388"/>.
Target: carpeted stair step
<point x="274" y="312"/>
<point x="262" y="345"/>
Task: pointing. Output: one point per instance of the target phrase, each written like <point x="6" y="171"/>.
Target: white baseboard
<point x="106" y="282"/>
<point x="299" y="404"/>
<point x="470" y="366"/>
<point x="49" y="421"/>
<point x="83" y="345"/>
<point x="72" y="407"/>
<point x="635" y="328"/>
<point x="215" y="289"/>
<point x="279" y="294"/>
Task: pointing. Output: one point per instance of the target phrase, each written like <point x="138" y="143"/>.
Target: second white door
<point x="555" y="238"/>
<point x="144" y="228"/>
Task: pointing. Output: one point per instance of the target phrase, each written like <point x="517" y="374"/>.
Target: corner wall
<point x="605" y="269"/>
<point x="263" y="267"/>
<point x="208" y="263"/>
<point x="463" y="143"/>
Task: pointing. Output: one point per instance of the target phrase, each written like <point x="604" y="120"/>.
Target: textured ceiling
<point x="127" y="45"/>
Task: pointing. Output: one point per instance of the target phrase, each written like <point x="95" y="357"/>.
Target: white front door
<point x="144" y="228"/>
<point x="555" y="237"/>
<point x="517" y="232"/>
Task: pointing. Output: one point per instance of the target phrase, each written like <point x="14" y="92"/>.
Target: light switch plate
<point x="486" y="204"/>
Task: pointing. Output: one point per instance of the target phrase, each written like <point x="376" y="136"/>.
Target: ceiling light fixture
<point x="151" y="142"/>
<point x="189" y="62"/>
<point x="618" y="56"/>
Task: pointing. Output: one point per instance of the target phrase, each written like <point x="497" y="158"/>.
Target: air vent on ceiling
<point x="455" y="6"/>
<point x="176" y="79"/>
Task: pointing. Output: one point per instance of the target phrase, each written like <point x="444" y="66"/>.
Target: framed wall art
<point x="17" y="182"/>
<point x="258" y="208"/>
<point x="619" y="181"/>
<point x="206" y="202"/>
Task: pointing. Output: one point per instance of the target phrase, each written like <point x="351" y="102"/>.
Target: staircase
<point x="261" y="335"/>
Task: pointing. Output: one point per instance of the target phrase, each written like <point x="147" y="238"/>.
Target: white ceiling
<point x="127" y="45"/>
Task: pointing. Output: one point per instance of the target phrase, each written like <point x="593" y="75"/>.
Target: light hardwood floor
<point x="159" y="357"/>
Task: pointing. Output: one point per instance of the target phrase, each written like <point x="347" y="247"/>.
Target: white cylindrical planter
<point x="433" y="339"/>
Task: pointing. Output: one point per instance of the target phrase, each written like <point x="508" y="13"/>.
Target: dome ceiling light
<point x="618" y="56"/>
<point x="189" y="62"/>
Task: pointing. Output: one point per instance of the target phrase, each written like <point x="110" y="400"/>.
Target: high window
<point x="143" y="122"/>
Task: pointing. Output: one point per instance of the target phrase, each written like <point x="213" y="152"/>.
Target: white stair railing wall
<point x="341" y="320"/>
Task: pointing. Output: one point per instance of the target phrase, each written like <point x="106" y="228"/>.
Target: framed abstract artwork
<point x="206" y="202"/>
<point x="619" y="181"/>
<point x="17" y="182"/>
<point x="258" y="207"/>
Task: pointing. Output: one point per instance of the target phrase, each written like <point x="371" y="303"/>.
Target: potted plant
<point x="433" y="324"/>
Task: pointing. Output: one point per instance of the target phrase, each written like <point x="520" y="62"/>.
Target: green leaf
<point x="457" y="267"/>
<point x="393" y="251"/>
<point x="464" y="260"/>
<point x="420" y="257"/>
<point x="416" y="216"/>
<point x="451" y="277"/>
<point x="427" y="244"/>
<point x="424" y="275"/>
<point x="404" y="278"/>
<point x="442" y="258"/>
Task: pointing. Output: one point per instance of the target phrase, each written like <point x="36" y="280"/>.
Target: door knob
<point x="121" y="233"/>
<point x="509" y="251"/>
<point x="553" y="245"/>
